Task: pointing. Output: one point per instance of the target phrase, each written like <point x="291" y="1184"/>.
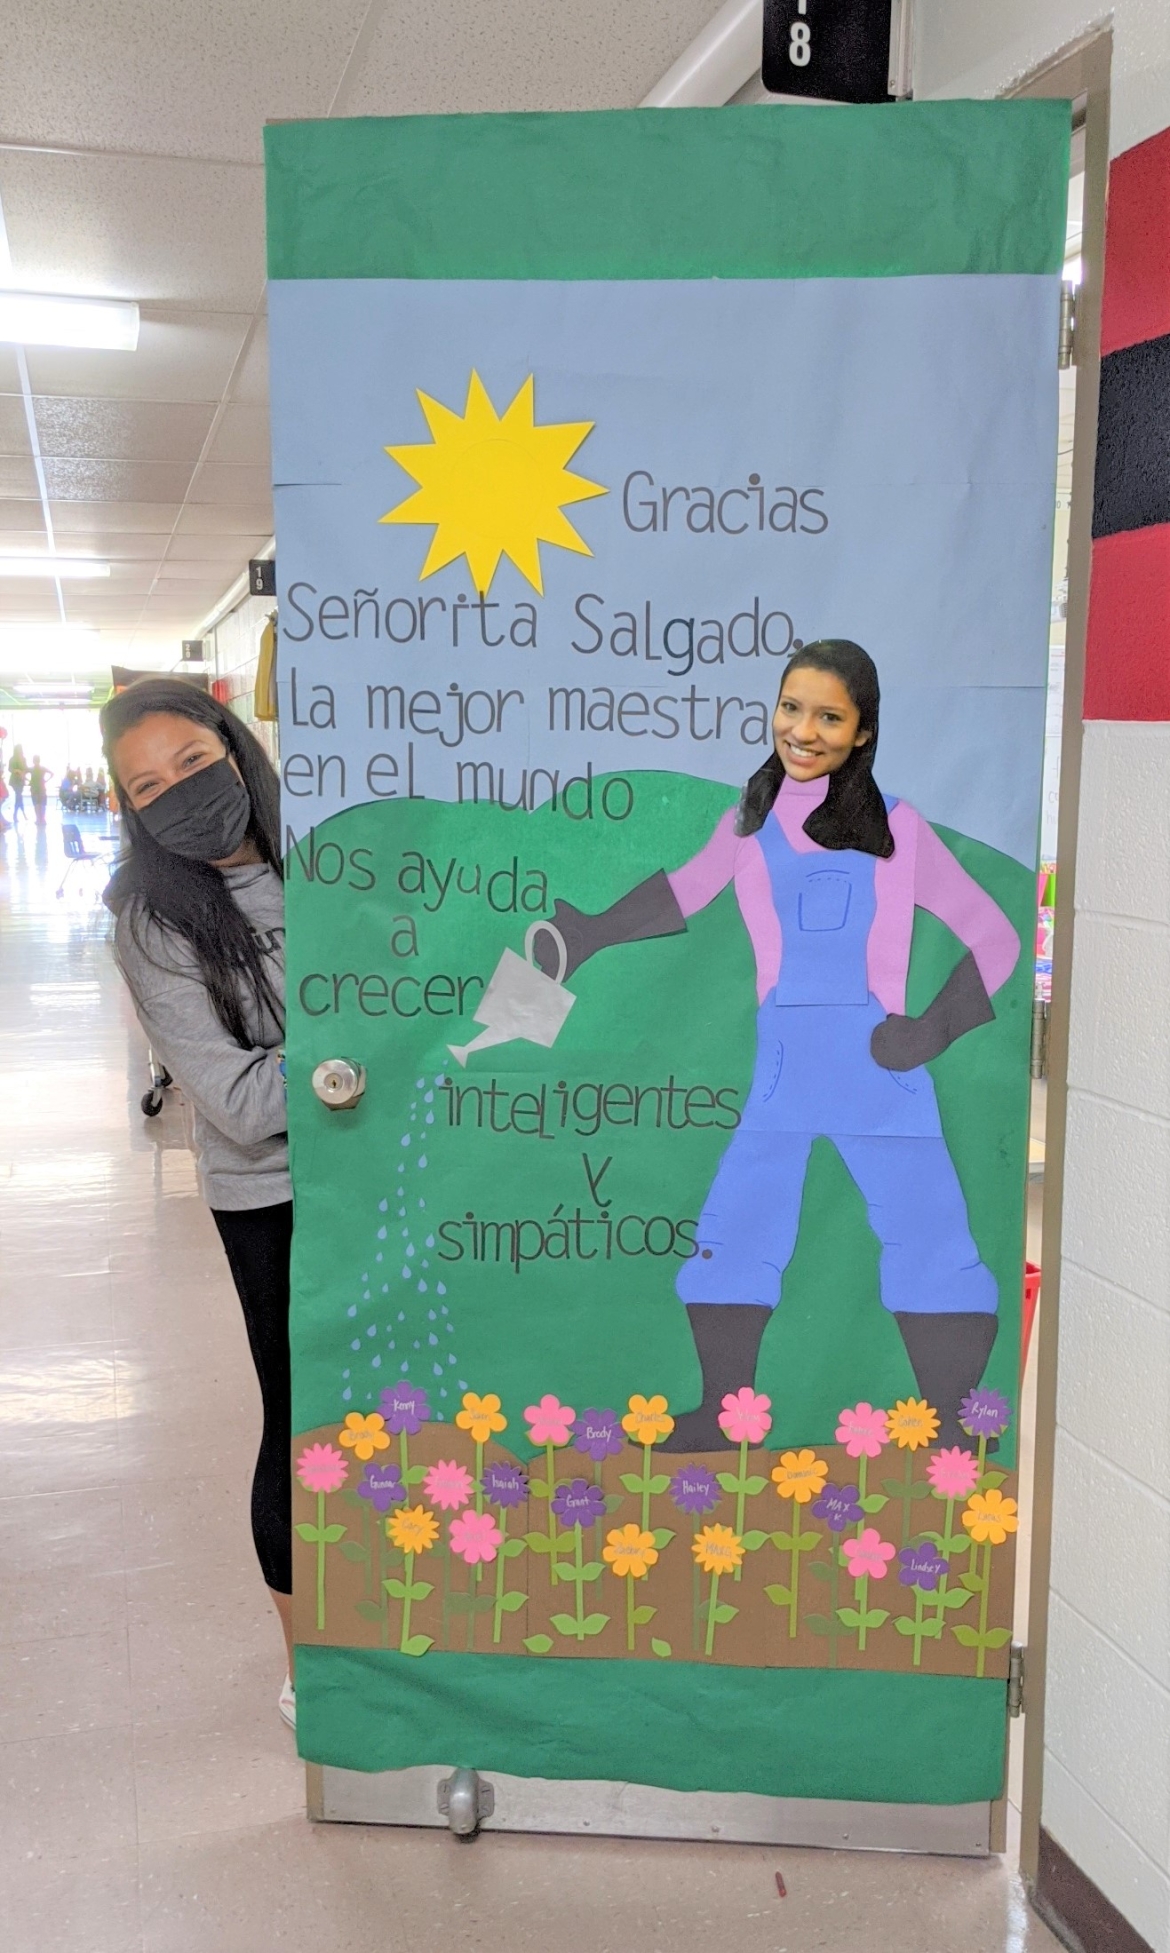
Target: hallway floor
<point x="151" y="1800"/>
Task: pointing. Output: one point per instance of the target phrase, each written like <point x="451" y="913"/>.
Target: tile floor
<point x="150" y="1798"/>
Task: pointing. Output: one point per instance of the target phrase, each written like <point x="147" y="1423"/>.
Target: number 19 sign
<point x="831" y="50"/>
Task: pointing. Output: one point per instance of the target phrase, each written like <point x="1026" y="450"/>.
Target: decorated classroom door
<point x="656" y="1306"/>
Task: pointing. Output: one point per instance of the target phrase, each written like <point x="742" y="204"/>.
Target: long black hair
<point x="852" y="813"/>
<point x="190" y="899"/>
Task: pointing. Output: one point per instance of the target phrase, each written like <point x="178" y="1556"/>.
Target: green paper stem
<point x="406" y="1602"/>
<point x="554" y="1573"/>
<point x="404" y="1460"/>
<point x="369" y="1573"/>
<point x="794" y="1589"/>
<point x="740" y="1496"/>
<point x="709" y="1644"/>
<point x="446" y="1604"/>
<point x="479" y="1478"/>
<point x="862" y="1490"/>
<point x="907" y="1493"/>
<point x="471" y="1607"/>
<point x="578" y="1581"/>
<point x="320" y="1562"/>
<point x="696" y="1598"/>
<point x="834" y="1624"/>
<point x="383" y="1596"/>
<point x="918" y="1626"/>
<point x="862" y="1591"/>
<point x="630" y="1612"/>
<point x="981" y="1659"/>
<point x="942" y="1585"/>
<point x="647" y="1453"/>
<point x="498" y="1612"/>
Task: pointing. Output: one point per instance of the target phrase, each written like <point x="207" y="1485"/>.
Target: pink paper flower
<point x="744" y="1417"/>
<point x="475" y="1536"/>
<point x="862" y="1431"/>
<point x="868" y="1554"/>
<point x="321" y="1468"/>
<point x="953" y="1473"/>
<point x="448" y="1485"/>
<point x="550" y="1421"/>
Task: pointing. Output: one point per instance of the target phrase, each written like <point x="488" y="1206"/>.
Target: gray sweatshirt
<point x="237" y="1096"/>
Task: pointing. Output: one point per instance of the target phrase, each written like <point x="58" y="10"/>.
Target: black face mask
<point x="204" y="817"/>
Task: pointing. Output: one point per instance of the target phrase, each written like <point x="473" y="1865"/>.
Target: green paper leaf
<point x="592" y="1571"/>
<point x="662" y="1649"/>
<point x="538" y="1488"/>
<point x="662" y="1537"/>
<point x="332" y="1534"/>
<point x="877" y="1617"/>
<point x="537" y="1542"/>
<point x="997" y="1637"/>
<point x="368" y="1609"/>
<point x="513" y="1548"/>
<point x="415" y="1475"/>
<point x="820" y="1570"/>
<point x="873" y="1502"/>
<point x="932" y="1630"/>
<point x="395" y="1588"/>
<point x="849" y="1616"/>
<point x="936" y="1540"/>
<point x="305" y="1531"/>
<point x="417" y="1645"/>
<point x="352" y="1550"/>
<point x="956" y="1597"/>
<point x="782" y="1542"/>
<point x="991" y="1479"/>
<point x="967" y="1636"/>
<point x="957" y="1543"/>
<point x="458" y="1603"/>
<point x="779" y="1596"/>
<point x="807" y="1541"/>
<point x="725" y="1611"/>
<point x="921" y="1488"/>
<point x="728" y="1480"/>
<point x="753" y="1541"/>
<point x="895" y="1487"/>
<point x="644" y="1614"/>
<point x="631" y="1481"/>
<point x="905" y="1625"/>
<point x="563" y="1623"/>
<point x="593" y="1623"/>
<point x="754" y="1486"/>
<point x="421" y="1590"/>
<point x="659" y="1482"/>
<point x="973" y="1582"/>
<point x="512" y="1603"/>
<point x="818" y="1624"/>
<point x="538" y="1644"/>
<point x="614" y="1501"/>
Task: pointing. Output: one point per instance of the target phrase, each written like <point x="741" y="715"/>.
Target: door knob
<point x="339" y="1083"/>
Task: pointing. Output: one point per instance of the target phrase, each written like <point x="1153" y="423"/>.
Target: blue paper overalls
<point x="814" y="1076"/>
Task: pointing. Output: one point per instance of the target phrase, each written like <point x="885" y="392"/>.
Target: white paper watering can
<point x="520" y="1001"/>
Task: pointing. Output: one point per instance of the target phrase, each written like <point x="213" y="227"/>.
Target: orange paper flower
<point x="717" y="1549"/>
<point x="413" y="1529"/>
<point x="800" y="1475"/>
<point x="481" y="1416"/>
<point x="989" y="1516"/>
<point x="629" y="1551"/>
<point x="647" y="1420"/>
<point x="912" y="1424"/>
<point x="364" y="1435"/>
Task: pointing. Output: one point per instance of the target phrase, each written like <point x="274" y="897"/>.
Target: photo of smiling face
<point x="816" y="725"/>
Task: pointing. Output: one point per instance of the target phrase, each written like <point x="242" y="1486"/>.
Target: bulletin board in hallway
<point x="656" y="1307"/>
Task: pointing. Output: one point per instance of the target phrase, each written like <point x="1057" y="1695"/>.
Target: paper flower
<point x="505" y="1485"/>
<point x="480" y="1417"/>
<point x="550" y="1421"/>
<point x="838" y="1507"/>
<point x="989" y="1516"/>
<point x="912" y="1424"/>
<point x="414" y="1530"/>
<point x="717" y="1549"/>
<point x="405" y="1407"/>
<point x="647" y="1419"/>
<point x="321" y="1469"/>
<point x="597" y="1434"/>
<point x="744" y="1417"/>
<point x="921" y="1566"/>
<point x="984" y="1414"/>
<point x="448" y="1485"/>
<point x="800" y="1475"/>
<point x="475" y="1536"/>
<point x="629" y="1551"/>
<point x="577" y="1503"/>
<point x="382" y="1486"/>
<point x="695" y="1490"/>
<point x="867" y="1554"/>
<point x="862" y="1430"/>
<point x="953" y="1473"/>
<point x="364" y="1435"/>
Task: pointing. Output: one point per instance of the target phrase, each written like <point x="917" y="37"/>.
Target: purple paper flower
<point x="838" y="1507"/>
<point x="921" y="1566"/>
<point x="382" y="1486"/>
<point x="695" y="1490"/>
<point x="405" y="1408"/>
<point x="598" y="1434"/>
<point x="984" y="1414"/>
<point x="505" y="1485"/>
<point x="577" y="1503"/>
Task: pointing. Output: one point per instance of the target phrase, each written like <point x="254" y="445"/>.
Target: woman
<point x="17" y="775"/>
<point x="38" y="788"/>
<point x="828" y="873"/>
<point x="199" y="938"/>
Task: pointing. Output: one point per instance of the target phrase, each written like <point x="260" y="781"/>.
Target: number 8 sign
<point x="828" y="50"/>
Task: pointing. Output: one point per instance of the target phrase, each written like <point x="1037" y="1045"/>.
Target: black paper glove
<point x="650" y="909"/>
<point x="901" y="1043"/>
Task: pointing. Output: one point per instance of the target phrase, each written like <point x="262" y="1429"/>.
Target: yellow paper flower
<point x="364" y="1435"/>
<point x="989" y="1516"/>
<point x="647" y="1420"/>
<point x="717" y="1549"/>
<point x="480" y="1416"/>
<point x="912" y="1424"/>
<point x="629" y="1551"/>
<point x="800" y="1475"/>
<point x="413" y="1530"/>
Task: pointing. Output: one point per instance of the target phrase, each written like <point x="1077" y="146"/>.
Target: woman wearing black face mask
<point x="199" y="938"/>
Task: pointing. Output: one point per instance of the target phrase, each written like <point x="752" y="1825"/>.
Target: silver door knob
<point x="338" y="1083"/>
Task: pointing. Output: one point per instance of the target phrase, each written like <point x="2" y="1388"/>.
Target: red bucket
<point x="1031" y="1297"/>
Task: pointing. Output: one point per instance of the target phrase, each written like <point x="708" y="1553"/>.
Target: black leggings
<point x="258" y="1241"/>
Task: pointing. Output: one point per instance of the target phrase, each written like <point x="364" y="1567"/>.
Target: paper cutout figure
<point x="521" y="1001"/>
<point x="831" y="920"/>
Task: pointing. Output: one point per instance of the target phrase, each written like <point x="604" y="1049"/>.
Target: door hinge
<point x="1066" y="351"/>
<point x="1015" y="1692"/>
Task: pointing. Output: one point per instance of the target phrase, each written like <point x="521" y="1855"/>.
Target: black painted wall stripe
<point x="1133" y="441"/>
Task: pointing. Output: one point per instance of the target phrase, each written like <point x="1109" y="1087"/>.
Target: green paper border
<point x="870" y="1737"/>
<point x="913" y="189"/>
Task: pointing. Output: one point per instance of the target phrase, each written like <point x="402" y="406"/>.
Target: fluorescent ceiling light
<point x="53" y="566"/>
<point x="49" y="689"/>
<point x="39" y="319"/>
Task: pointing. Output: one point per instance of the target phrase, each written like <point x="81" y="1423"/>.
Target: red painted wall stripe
<point x="1136" y="299"/>
<point x="1127" y="656"/>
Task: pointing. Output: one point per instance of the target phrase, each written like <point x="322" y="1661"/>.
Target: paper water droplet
<point x="346" y="1394"/>
<point x="432" y="1339"/>
<point x="440" y="1286"/>
<point x="430" y="1315"/>
<point x="422" y="1288"/>
<point x="419" y="1083"/>
<point x="356" y="1344"/>
<point x="406" y="1272"/>
<point x="352" y="1309"/>
<point x="372" y="1330"/>
<point x="405" y="1140"/>
<point x="422" y="1159"/>
<point x="428" y="1098"/>
<point x="382" y="1206"/>
<point x="402" y="1315"/>
<point x="375" y="1362"/>
<point x="381" y="1234"/>
<point x="405" y="1368"/>
<point x="430" y="1241"/>
<point x="430" y="1119"/>
<point x="437" y="1368"/>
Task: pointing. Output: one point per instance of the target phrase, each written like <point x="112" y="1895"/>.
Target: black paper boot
<point x="727" y="1338"/>
<point x="948" y="1354"/>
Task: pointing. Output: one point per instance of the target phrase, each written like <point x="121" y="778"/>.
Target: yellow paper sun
<point x="493" y="485"/>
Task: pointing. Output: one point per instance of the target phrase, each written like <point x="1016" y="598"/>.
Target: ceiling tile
<point x="242" y="436"/>
<point x="18" y="477"/>
<point x="230" y="482"/>
<point x="180" y="356"/>
<point x="250" y="387"/>
<point x="189" y="77"/>
<point x="90" y="518"/>
<point x="234" y="519"/>
<point x="147" y="228"/>
<point x="23" y="519"/>
<point x="14" y="425"/>
<point x="18" y="604"/>
<point x="76" y="480"/>
<point x="215" y="549"/>
<point x="9" y="370"/>
<point x="115" y="546"/>
<point x="122" y="430"/>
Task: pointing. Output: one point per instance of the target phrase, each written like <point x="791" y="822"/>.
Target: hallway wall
<point x="1107" y="1737"/>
